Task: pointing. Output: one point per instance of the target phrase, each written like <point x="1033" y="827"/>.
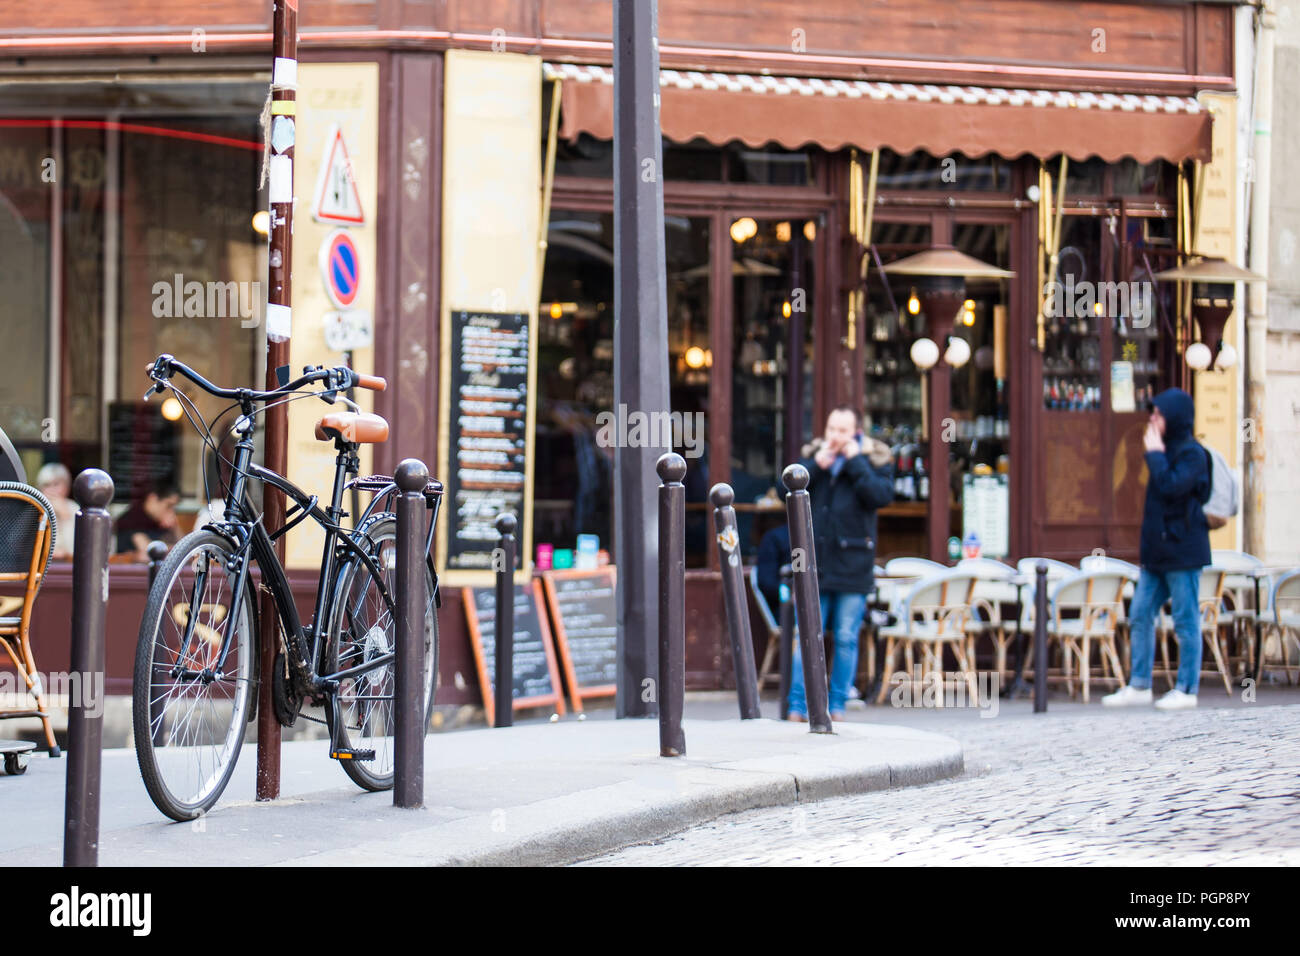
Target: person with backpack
<point x="1175" y="547"/>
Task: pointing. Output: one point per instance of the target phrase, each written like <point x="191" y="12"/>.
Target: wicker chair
<point x="931" y="615"/>
<point x="26" y="544"/>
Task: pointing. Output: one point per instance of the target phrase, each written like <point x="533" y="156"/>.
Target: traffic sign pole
<point x="284" y="86"/>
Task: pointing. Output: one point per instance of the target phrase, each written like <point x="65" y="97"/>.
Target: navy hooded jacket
<point x="1175" y="535"/>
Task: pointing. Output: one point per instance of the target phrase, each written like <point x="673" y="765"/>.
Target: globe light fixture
<point x="694" y="357"/>
<point x="958" y="352"/>
<point x="925" y="353"/>
<point x="1213" y="284"/>
<point x="1198" y="356"/>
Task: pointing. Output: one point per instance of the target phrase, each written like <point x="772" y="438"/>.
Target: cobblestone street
<point x="1127" y="788"/>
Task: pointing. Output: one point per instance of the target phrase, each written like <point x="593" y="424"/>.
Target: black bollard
<point x="734" y="603"/>
<point x="787" y="639"/>
<point x="672" y="604"/>
<point x="808" y="610"/>
<point x="408" y="692"/>
<point x="1040" y="638"/>
<point x="503" y="709"/>
<point x="93" y="490"/>
<point x="157" y="552"/>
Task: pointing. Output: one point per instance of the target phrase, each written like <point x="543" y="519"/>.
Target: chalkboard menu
<point x="142" y="449"/>
<point x="487" y="458"/>
<point x="586" y="630"/>
<point x="536" y="675"/>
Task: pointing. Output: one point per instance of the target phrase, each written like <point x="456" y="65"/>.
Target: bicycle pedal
<point x="345" y="753"/>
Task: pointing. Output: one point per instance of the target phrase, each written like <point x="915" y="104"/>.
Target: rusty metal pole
<point x="1040" y="638"/>
<point x="672" y="604"/>
<point x="503" y="709"/>
<point x="787" y="639"/>
<point x="734" y="603"/>
<point x="408" y="690"/>
<point x="284" y="86"/>
<point x="808" y="608"/>
<point x="93" y="490"/>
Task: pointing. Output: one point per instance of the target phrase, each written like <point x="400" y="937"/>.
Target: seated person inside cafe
<point x="55" y="482"/>
<point x="151" y="518"/>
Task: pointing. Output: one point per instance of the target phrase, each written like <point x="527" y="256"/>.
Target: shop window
<point x="949" y="174"/>
<point x="574" y="482"/>
<point x="1071" y="319"/>
<point x="696" y="161"/>
<point x="1082" y="178"/>
<point x="1155" y="179"/>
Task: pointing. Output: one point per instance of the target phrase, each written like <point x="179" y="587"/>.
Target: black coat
<point x="1175" y="535"/>
<point x="844" y="520"/>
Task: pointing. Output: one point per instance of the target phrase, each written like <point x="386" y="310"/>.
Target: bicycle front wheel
<point x="189" y="707"/>
<point x="362" y="627"/>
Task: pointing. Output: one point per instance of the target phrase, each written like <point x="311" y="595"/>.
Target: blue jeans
<point x="848" y="609"/>
<point x="1153" y="589"/>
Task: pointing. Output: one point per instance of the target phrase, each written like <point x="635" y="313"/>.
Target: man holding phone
<point x="1175" y="546"/>
<point x="851" y="476"/>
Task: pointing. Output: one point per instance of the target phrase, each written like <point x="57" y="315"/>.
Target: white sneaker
<point x="1127" y="696"/>
<point x="1176" y="700"/>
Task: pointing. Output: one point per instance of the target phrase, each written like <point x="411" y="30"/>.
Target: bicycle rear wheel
<point x="189" y="718"/>
<point x="362" y="627"/>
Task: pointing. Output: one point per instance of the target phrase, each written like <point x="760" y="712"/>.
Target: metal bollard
<point x="408" y="692"/>
<point x="808" y="607"/>
<point x="672" y="604"/>
<point x="787" y="639"/>
<point x="503" y="710"/>
<point x="1040" y="638"/>
<point x="93" y="490"/>
<point x="734" y="603"/>
<point x="157" y="552"/>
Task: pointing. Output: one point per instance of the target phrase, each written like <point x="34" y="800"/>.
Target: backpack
<point x="1224" y="498"/>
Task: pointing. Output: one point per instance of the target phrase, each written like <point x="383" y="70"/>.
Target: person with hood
<point x="851" y="476"/>
<point x="1175" y="546"/>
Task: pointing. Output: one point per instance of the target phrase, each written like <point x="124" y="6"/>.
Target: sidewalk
<point x="533" y="794"/>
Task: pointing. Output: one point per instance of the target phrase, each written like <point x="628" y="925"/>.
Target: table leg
<point x="1017" y="687"/>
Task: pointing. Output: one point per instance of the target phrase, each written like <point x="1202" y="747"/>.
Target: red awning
<point x="904" y="117"/>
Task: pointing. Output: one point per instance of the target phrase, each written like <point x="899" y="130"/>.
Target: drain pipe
<point x="1257" y="292"/>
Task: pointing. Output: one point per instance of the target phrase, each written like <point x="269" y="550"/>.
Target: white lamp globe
<point x="924" y="353"/>
<point x="958" y="353"/>
<point x="1198" y="356"/>
<point x="1227" y="357"/>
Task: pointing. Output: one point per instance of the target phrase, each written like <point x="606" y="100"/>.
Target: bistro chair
<point x="932" y="615"/>
<point x="771" y="653"/>
<point x="993" y="590"/>
<point x="1210" y="600"/>
<point x="1284" y="623"/>
<point x="1239" y="613"/>
<point x="1086" y="609"/>
<point x="26" y="545"/>
<point x="913" y="567"/>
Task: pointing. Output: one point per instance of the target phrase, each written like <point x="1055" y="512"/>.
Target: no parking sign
<point x="340" y="267"/>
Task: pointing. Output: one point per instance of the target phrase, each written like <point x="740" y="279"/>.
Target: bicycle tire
<point x="163" y="758"/>
<point x="341" y="644"/>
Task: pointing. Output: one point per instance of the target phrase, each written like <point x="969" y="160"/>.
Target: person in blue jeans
<point x="1175" y="547"/>
<point x="850" y="477"/>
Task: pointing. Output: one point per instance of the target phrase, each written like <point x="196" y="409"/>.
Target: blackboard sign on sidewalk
<point x="586" y="630"/>
<point x="536" y="674"/>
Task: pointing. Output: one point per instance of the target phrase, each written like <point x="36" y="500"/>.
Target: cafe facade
<point x="1081" y="147"/>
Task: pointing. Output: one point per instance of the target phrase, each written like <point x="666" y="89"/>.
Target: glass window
<point x="573" y="487"/>
<point x="769" y="165"/>
<point x="955" y="173"/>
<point x="1072" y="353"/>
<point x="1156" y="179"/>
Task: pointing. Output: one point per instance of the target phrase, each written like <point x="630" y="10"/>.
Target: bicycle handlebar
<point x="340" y="377"/>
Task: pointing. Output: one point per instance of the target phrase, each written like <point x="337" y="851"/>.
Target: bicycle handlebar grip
<point x="373" y="382"/>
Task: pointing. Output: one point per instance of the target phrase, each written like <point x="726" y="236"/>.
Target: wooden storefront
<point x="1074" y="474"/>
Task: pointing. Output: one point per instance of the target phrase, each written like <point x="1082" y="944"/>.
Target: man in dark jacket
<point x="1175" y="546"/>
<point x="851" y="476"/>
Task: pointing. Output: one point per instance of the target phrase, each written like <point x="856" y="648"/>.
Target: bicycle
<point x="197" y="660"/>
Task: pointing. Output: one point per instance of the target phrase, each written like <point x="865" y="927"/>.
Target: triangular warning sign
<point x="337" y="199"/>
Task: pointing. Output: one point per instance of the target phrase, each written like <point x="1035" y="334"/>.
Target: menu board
<point x="985" y="508"/>
<point x="487" y="463"/>
<point x="536" y="676"/>
<point x="142" y="449"/>
<point x="586" y="630"/>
